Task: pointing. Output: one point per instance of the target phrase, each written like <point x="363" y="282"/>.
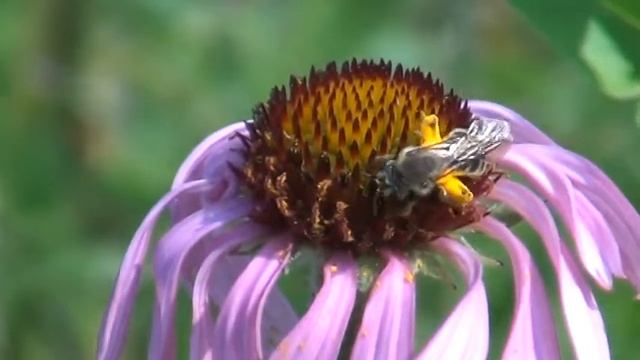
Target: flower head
<point x="312" y="157"/>
<point x="326" y="166"/>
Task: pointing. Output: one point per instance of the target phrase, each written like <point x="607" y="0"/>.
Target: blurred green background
<point x="101" y="100"/>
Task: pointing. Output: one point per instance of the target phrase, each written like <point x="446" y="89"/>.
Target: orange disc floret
<point x="313" y="154"/>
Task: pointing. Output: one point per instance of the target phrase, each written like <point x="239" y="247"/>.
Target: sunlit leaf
<point x="615" y="73"/>
<point x="603" y="34"/>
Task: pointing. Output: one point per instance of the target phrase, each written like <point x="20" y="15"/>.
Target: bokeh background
<point x="100" y="101"/>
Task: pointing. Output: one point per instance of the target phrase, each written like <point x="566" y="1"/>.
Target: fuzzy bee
<point x="418" y="170"/>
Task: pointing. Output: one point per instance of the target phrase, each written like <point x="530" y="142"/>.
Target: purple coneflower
<point x="304" y="174"/>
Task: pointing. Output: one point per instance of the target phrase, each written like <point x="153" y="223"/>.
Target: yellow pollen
<point x="452" y="189"/>
<point x="430" y="129"/>
<point x="283" y="349"/>
<point x="376" y="286"/>
<point x="408" y="276"/>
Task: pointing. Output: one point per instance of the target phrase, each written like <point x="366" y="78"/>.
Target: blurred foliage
<point x="604" y="34"/>
<point x="101" y="100"/>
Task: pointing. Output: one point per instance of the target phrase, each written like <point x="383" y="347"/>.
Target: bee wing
<point x="490" y="132"/>
<point x="473" y="167"/>
<point x="482" y="136"/>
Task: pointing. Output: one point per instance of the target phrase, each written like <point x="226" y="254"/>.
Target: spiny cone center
<point x="313" y="155"/>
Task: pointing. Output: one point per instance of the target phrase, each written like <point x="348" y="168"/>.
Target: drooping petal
<point x="603" y="198"/>
<point x="597" y="183"/>
<point x="116" y="319"/>
<point x="582" y="316"/>
<point x="465" y="333"/>
<point x="623" y="219"/>
<point x="589" y="179"/>
<point x="627" y="234"/>
<point x="214" y="280"/>
<point x="607" y="205"/>
<point x="219" y="142"/>
<point x="523" y="131"/>
<point x="237" y="332"/>
<point x="319" y="334"/>
<point x="558" y="190"/>
<point x="629" y="248"/>
<point x="602" y="232"/>
<point x="277" y="321"/>
<point x="533" y="334"/>
<point x="205" y="283"/>
<point x="194" y="236"/>
<point x="388" y="324"/>
<point x="209" y="160"/>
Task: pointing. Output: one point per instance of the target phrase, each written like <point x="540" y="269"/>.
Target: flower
<point x="305" y="173"/>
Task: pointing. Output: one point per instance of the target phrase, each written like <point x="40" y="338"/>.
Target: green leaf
<point x="603" y="34"/>
<point x="616" y="74"/>
<point x="562" y="21"/>
<point x="626" y="10"/>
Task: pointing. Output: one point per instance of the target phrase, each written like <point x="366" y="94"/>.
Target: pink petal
<point x="533" y="334"/>
<point x="184" y="241"/>
<point x="588" y="178"/>
<point x="523" y="131"/>
<point x="604" y="199"/>
<point x="388" y="324"/>
<point x="210" y="160"/>
<point x="557" y="188"/>
<point x="602" y="232"/>
<point x="214" y="285"/>
<point x="218" y="142"/>
<point x="205" y="284"/>
<point x="582" y="316"/>
<point x="320" y="332"/>
<point x="278" y="320"/>
<point x="630" y="250"/>
<point x="237" y="333"/>
<point x="116" y="319"/>
<point x="602" y="187"/>
<point x="465" y="333"/>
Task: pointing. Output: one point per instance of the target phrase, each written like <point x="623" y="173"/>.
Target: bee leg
<point x="453" y="191"/>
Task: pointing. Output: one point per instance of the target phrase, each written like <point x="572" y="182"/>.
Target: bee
<point x="417" y="170"/>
